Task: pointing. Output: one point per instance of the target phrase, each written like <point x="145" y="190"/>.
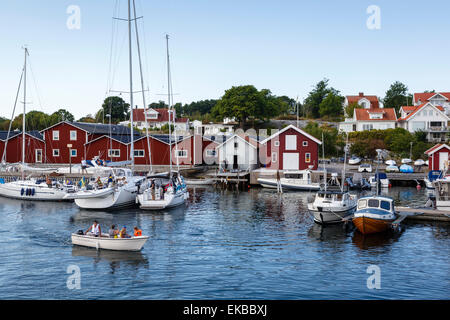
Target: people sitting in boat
<point x="94" y="230"/>
<point x="48" y="182"/>
<point x="110" y="181"/>
<point x="123" y="233"/>
<point x="99" y="183"/>
<point x="137" y="232"/>
<point x="113" y="232"/>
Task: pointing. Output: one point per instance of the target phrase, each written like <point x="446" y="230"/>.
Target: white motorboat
<point x="391" y="163"/>
<point x="406" y="161"/>
<point x="109" y="243"/>
<point x="93" y="167"/>
<point x="293" y="180"/>
<point x="432" y="176"/>
<point x="119" y="192"/>
<point x="419" y="162"/>
<point x="35" y="189"/>
<point x="442" y="193"/>
<point x="331" y="206"/>
<point x="384" y="180"/>
<point x="354" y="160"/>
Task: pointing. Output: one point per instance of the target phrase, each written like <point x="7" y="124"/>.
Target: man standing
<point x="83" y="166"/>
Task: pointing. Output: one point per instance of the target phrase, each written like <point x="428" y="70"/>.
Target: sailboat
<point x="155" y="195"/>
<point x="122" y="186"/>
<point x="30" y="189"/>
<point x="332" y="204"/>
<point x="374" y="213"/>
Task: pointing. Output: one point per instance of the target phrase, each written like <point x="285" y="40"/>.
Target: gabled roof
<point x="296" y="129"/>
<point x="124" y="139"/>
<point x="216" y="139"/>
<point x="418" y="108"/>
<point x="437" y="148"/>
<point x="163" y="115"/>
<point x="425" y="96"/>
<point x="250" y="140"/>
<point x="164" y="138"/>
<point x="4" y="134"/>
<point x="13" y="134"/>
<point x="364" y="114"/>
<point x="374" y="103"/>
<point x="95" y="128"/>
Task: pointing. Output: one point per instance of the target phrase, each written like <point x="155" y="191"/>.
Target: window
<point x="362" y="204"/>
<point x="55" y="134"/>
<point x="307" y="157"/>
<point x="373" y="203"/>
<point x="56" y="152"/>
<point x="182" y="154"/>
<point x="73" y="135"/>
<point x="210" y="153"/>
<point x="274" y="157"/>
<point x="367" y="127"/>
<point x="386" y="205"/>
<point x="73" y="152"/>
<point x="291" y="142"/>
<point x="152" y="116"/>
<point x="114" y="153"/>
<point x="236" y="145"/>
<point x="139" y="153"/>
<point x="276" y="143"/>
<point x="305" y="143"/>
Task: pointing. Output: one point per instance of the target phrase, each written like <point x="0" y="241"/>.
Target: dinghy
<point x="108" y="243"/>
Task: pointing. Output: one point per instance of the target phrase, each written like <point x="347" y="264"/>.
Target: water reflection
<point x="328" y="233"/>
<point x="376" y="240"/>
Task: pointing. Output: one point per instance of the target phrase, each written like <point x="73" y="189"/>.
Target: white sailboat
<point x="155" y="196"/>
<point x="331" y="205"/>
<point x="123" y="187"/>
<point x="30" y="189"/>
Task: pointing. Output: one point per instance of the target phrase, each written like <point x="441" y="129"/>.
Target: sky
<point x="286" y="46"/>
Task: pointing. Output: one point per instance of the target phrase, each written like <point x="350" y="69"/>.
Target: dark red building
<point x="34" y="147"/>
<point x="438" y="157"/>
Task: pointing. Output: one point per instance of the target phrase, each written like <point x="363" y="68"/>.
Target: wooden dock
<point x="424" y="214"/>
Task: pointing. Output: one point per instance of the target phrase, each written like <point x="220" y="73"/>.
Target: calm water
<point x="222" y="245"/>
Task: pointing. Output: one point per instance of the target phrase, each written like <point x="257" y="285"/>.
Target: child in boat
<point x="137" y="232"/>
<point x="123" y="233"/>
<point x="113" y="232"/>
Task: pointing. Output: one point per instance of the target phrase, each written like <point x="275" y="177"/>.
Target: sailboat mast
<point x="169" y="99"/>
<point x="345" y="162"/>
<point x="142" y="86"/>
<point x="324" y="169"/>
<point x="131" y="85"/>
<point x="24" y="109"/>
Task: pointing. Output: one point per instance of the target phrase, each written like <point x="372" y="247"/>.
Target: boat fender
<point x="27" y="192"/>
<point x="32" y="192"/>
<point x="22" y="191"/>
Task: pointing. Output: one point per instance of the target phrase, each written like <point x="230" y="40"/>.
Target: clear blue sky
<point x="286" y="46"/>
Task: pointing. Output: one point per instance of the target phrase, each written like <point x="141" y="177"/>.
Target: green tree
<point x="331" y="137"/>
<point x="89" y="119"/>
<point x="116" y="107"/>
<point x="312" y="102"/>
<point x="60" y="115"/>
<point x="331" y="105"/>
<point x="397" y="96"/>
<point x="34" y="120"/>
<point x="158" y="105"/>
<point x="349" y="109"/>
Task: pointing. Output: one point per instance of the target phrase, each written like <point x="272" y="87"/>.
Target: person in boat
<point x="48" y="182"/>
<point x="83" y="166"/>
<point x="123" y="233"/>
<point x="95" y="229"/>
<point x="137" y="232"/>
<point x="152" y="189"/>
<point x="113" y="232"/>
<point x="110" y="180"/>
<point x="99" y="182"/>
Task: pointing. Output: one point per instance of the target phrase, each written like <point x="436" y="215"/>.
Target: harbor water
<point x="221" y="245"/>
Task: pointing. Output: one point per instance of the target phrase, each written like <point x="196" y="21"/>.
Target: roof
<point x="163" y="115"/>
<point x="164" y="138"/>
<point x="216" y="139"/>
<point x="95" y="128"/>
<point x="12" y="134"/>
<point x="122" y="138"/>
<point x="388" y="114"/>
<point x="296" y="129"/>
<point x="250" y="140"/>
<point x="374" y="103"/>
<point x="437" y="148"/>
<point x="414" y="109"/>
<point x="425" y="96"/>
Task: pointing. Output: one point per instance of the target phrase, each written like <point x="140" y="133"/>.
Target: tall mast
<point x="131" y="85"/>
<point x="142" y="86"/>
<point x="345" y="162"/>
<point x="169" y="100"/>
<point x="24" y="109"/>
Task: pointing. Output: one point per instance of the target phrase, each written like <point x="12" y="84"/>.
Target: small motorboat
<point x="357" y="182"/>
<point x="406" y="168"/>
<point x="354" y="160"/>
<point x="391" y="163"/>
<point x="432" y="176"/>
<point x="419" y="162"/>
<point x="109" y="243"/>
<point x="392" y="169"/>
<point x="331" y="206"/>
<point x="300" y="180"/>
<point x="384" y="181"/>
<point x="406" y="161"/>
<point x="374" y="214"/>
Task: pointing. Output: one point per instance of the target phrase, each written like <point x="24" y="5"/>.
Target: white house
<point x="435" y="98"/>
<point x="156" y="118"/>
<point x="370" y="119"/>
<point x="426" y="117"/>
<point x="238" y="152"/>
<point x="365" y="101"/>
<point x="212" y="129"/>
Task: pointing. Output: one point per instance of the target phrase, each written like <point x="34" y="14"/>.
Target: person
<point x="123" y="233"/>
<point x="83" y="166"/>
<point x="137" y="232"/>
<point x="48" y="182"/>
<point x="113" y="232"/>
<point x="95" y="229"/>
<point x="99" y="182"/>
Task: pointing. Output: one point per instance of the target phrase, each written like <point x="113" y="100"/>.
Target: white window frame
<point x="305" y="143"/>
<point x="139" y="153"/>
<point x="72" y="154"/>
<point x="185" y="154"/>
<point x="75" y="136"/>
<point x="55" y="154"/>
<point x="210" y="152"/>
<point x="274" y="157"/>
<point x="55" y="135"/>
<point x="290" y="142"/>
<point x="113" y="153"/>
<point x="276" y="143"/>
<point x="307" y="155"/>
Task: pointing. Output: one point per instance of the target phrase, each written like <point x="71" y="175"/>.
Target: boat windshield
<point x="362" y="204"/>
<point x="374" y="203"/>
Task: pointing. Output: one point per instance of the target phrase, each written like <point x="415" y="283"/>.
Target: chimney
<point x="361" y="94"/>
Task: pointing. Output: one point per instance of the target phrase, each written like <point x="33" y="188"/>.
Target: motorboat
<point x="299" y="180"/>
<point x="36" y="190"/>
<point x="118" y="192"/>
<point x="93" y="167"/>
<point x="109" y="243"/>
<point x="419" y="163"/>
<point x="331" y="206"/>
<point x="354" y="160"/>
<point x="156" y="195"/>
<point x="406" y="161"/>
<point x="391" y="168"/>
<point x="442" y="192"/>
<point x="432" y="176"/>
<point x="357" y="182"/>
<point x="391" y="163"/>
<point x="406" y="168"/>
<point x="365" y="167"/>
<point x="382" y="177"/>
<point x="374" y="214"/>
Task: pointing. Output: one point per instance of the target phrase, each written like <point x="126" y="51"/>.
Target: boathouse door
<point x="290" y="161"/>
<point x="38" y="158"/>
<point x="235" y="162"/>
<point x="443" y="158"/>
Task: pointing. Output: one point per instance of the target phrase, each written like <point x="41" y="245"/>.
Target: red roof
<point x="424" y="96"/>
<point x="388" y="114"/>
<point x="414" y="110"/>
<point x="163" y="116"/>
<point x="372" y="99"/>
<point x="436" y="147"/>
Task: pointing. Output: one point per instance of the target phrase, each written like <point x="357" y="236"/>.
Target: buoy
<point x="418" y="187"/>
<point x="390" y="185"/>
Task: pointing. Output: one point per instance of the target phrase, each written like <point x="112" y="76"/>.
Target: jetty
<point x="424" y="214"/>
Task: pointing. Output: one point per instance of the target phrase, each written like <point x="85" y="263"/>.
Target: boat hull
<point x="273" y="183"/>
<point x="107" y="243"/>
<point x="24" y="190"/>
<point x="367" y="225"/>
<point x="169" y="201"/>
<point x="329" y="215"/>
<point x="123" y="197"/>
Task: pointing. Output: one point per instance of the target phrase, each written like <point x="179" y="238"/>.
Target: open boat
<point x="432" y="176"/>
<point x="293" y="180"/>
<point x="109" y="243"/>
